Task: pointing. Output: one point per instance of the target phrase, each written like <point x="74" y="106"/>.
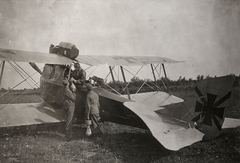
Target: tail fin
<point x="207" y="113"/>
<point x="214" y="94"/>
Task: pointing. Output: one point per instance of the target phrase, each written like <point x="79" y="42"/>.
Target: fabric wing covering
<point x="95" y="60"/>
<point x="172" y="134"/>
<point x="36" y="57"/>
<point x="92" y="60"/>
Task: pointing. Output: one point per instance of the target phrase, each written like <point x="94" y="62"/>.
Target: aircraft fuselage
<point x="111" y="105"/>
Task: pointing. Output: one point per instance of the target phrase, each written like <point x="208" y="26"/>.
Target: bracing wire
<point x="131" y="74"/>
<point x="25" y="72"/>
<point x="87" y="68"/>
<point x="114" y="90"/>
<point x="19" y="72"/>
<point x="36" y="84"/>
<point x="23" y="75"/>
<point x="93" y="71"/>
<point x="16" y="98"/>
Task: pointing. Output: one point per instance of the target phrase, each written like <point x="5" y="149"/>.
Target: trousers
<point x="80" y="104"/>
<point x="69" y="118"/>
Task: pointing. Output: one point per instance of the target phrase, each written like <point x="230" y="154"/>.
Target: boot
<point x="68" y="137"/>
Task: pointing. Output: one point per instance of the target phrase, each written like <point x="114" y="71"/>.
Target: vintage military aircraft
<point x="173" y="122"/>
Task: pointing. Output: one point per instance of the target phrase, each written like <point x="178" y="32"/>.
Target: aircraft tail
<point x="207" y="113"/>
<point x="214" y="95"/>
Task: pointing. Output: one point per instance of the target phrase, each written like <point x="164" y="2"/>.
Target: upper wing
<point x="95" y="60"/>
<point x="37" y="57"/>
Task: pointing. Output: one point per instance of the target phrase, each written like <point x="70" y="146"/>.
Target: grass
<point x="120" y="144"/>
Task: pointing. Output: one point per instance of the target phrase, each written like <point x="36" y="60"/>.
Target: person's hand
<point x="72" y="80"/>
<point x="72" y="65"/>
<point x="73" y="89"/>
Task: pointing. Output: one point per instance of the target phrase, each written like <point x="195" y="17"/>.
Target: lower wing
<point x="172" y="134"/>
<point x="27" y="114"/>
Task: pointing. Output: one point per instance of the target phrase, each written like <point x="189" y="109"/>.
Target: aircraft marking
<point x="210" y="111"/>
<point x="128" y="59"/>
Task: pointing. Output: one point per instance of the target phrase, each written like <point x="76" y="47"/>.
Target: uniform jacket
<point x="80" y="77"/>
<point x="69" y="98"/>
<point x="92" y="104"/>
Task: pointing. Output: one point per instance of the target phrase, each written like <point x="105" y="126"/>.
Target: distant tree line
<point x="140" y="85"/>
<point x="137" y="85"/>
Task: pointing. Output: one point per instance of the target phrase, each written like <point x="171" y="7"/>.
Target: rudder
<point x="214" y="94"/>
<point x="207" y="112"/>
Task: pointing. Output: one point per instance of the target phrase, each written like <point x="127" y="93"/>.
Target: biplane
<point x="172" y="121"/>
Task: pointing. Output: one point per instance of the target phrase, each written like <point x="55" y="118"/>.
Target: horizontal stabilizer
<point x="231" y="123"/>
<point x="155" y="98"/>
<point x="172" y="134"/>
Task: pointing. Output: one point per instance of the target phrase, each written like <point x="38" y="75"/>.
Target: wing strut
<point x="153" y="74"/>
<point x="125" y="82"/>
<point x="165" y="77"/>
<point x="35" y="67"/>
<point x="110" y="68"/>
<point x="1" y="75"/>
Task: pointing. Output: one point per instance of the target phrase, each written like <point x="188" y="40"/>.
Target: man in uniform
<point x="69" y="106"/>
<point x="78" y="77"/>
<point x="92" y="107"/>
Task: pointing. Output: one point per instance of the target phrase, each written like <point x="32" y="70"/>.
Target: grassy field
<point x="119" y="143"/>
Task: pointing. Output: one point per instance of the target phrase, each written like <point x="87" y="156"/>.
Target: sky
<point x="205" y="34"/>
